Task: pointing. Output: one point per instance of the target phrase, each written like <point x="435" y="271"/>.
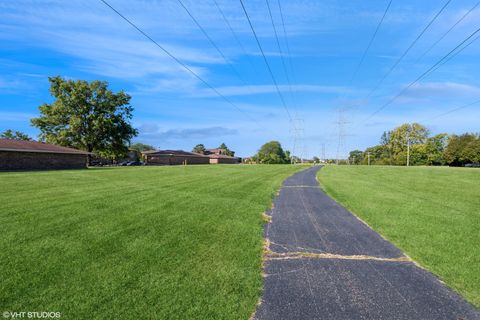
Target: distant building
<point x="33" y="155"/>
<point x="216" y="151"/>
<point x="220" y="158"/>
<point x="174" y="157"/>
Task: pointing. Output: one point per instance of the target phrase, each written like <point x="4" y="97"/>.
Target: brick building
<point x="33" y="155"/>
<point x="174" y="157"/>
<point x="219" y="156"/>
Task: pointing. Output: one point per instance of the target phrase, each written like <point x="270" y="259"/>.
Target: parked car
<point x="135" y="163"/>
<point x="472" y="165"/>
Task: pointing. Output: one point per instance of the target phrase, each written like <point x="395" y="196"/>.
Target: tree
<point x="227" y="151"/>
<point x="463" y="149"/>
<point x="271" y="153"/>
<point x="87" y="116"/>
<point x="356" y="156"/>
<point x="399" y="138"/>
<point x="14" y="135"/>
<point x="435" y="147"/>
<point x="377" y="155"/>
<point x="140" y="147"/>
<point x="199" y="148"/>
<point x="288" y="156"/>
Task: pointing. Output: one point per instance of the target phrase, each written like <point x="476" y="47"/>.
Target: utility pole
<point x="408" y="150"/>
<point x="368" y="155"/>
<point x="408" y="146"/>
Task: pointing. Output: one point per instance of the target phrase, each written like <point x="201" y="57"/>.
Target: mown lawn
<point x="433" y="214"/>
<point x="135" y="243"/>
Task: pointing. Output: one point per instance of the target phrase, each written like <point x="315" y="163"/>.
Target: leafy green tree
<point x="463" y="149"/>
<point x="415" y="133"/>
<point x="271" y="153"/>
<point x="87" y="116"/>
<point x="199" y="148"/>
<point x="288" y="156"/>
<point x="14" y="135"/>
<point x="377" y="155"/>
<point x="227" y="151"/>
<point x="356" y="156"/>
<point x="316" y="159"/>
<point x="435" y="147"/>
<point x="140" y="147"/>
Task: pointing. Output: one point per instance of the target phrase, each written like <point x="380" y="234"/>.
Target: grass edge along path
<point x="432" y="214"/>
<point x="149" y="242"/>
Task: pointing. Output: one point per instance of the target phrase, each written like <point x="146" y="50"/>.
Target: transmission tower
<point x="297" y="134"/>
<point x="342" y="133"/>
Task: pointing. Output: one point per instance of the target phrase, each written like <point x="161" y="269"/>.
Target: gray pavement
<point x="324" y="263"/>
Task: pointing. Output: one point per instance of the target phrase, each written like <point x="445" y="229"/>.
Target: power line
<point x="448" y="31"/>
<point x="234" y="35"/>
<point x="212" y="42"/>
<point x="288" y="51"/>
<point x="454" y="55"/>
<point x="294" y="124"/>
<point x="371" y="40"/>
<point x="453" y="110"/>
<point x="409" y="48"/>
<point x="278" y="45"/>
<point x="181" y="63"/>
<point x="266" y="61"/>
<point x="423" y="75"/>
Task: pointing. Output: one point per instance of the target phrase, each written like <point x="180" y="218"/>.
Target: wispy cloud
<point x="263" y="89"/>
<point x="428" y="90"/>
<point x="152" y="131"/>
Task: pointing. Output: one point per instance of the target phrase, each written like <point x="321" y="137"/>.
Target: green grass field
<point x="135" y="243"/>
<point x="433" y="214"/>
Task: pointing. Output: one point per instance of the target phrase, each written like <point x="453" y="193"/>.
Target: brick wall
<point x="223" y="160"/>
<point x="13" y="160"/>
<point x="176" y="160"/>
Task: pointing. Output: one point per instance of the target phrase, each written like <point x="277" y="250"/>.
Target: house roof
<point x="35" y="146"/>
<point x="169" y="153"/>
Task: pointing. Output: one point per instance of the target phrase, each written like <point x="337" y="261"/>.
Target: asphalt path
<point x="324" y="263"/>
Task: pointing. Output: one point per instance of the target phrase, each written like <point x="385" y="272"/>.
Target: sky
<point x="327" y="89"/>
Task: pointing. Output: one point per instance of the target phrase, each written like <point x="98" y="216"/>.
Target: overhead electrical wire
<point x="449" y="30"/>
<point x="182" y="64"/>
<point x="294" y="78"/>
<point x="234" y="35"/>
<point x="266" y="62"/>
<point x="367" y="49"/>
<point x="279" y="47"/>
<point x="371" y="41"/>
<point x="455" y="54"/>
<point x="453" y="110"/>
<point x="397" y="62"/>
<point x="212" y="42"/>
<point x="424" y="74"/>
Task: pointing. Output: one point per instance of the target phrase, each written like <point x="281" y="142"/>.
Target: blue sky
<point x="174" y="110"/>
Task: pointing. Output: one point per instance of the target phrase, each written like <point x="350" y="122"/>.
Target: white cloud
<point x="264" y="89"/>
<point x="440" y="90"/>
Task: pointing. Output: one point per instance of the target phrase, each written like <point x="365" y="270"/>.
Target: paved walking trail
<point x="324" y="263"/>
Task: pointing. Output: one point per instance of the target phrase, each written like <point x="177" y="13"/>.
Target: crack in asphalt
<point x="322" y="262"/>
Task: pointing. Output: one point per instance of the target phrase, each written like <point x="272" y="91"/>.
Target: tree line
<point x="412" y="144"/>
